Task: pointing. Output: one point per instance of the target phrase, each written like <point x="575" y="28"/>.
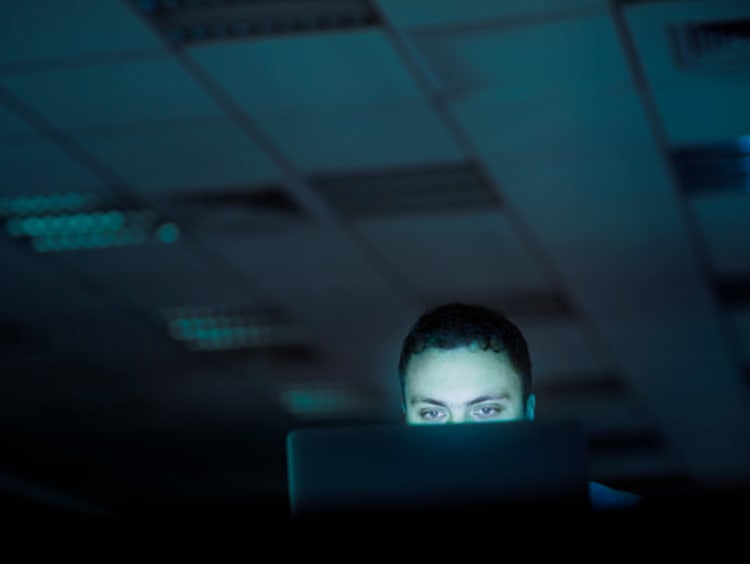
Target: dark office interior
<point x="220" y="217"/>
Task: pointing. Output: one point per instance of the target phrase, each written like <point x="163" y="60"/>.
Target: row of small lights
<point x="320" y="401"/>
<point x="207" y="330"/>
<point x="59" y="222"/>
<point x="73" y="221"/>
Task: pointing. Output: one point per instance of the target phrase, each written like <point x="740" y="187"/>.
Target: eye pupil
<point x="431" y="414"/>
<point x="487" y="411"/>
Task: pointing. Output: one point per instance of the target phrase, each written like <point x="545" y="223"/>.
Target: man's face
<point x="463" y="385"/>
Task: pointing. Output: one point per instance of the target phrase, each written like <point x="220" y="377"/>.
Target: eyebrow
<point x="475" y="401"/>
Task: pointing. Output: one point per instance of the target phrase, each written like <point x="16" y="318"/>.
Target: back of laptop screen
<point x="373" y="469"/>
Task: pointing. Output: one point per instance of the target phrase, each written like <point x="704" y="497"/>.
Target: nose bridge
<point x="457" y="416"/>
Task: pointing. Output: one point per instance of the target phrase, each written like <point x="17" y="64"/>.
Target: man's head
<point x="464" y="363"/>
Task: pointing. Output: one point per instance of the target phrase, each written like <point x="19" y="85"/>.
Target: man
<point x="463" y="363"/>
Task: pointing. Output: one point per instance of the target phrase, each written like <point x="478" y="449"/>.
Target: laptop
<point x="395" y="469"/>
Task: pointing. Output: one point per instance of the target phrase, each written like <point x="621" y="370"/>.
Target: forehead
<point x="460" y="372"/>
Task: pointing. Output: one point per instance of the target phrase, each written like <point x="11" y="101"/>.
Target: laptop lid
<point x="397" y="468"/>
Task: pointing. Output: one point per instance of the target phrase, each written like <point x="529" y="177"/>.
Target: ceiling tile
<point x="122" y="94"/>
<point x="708" y="112"/>
<point x="28" y="168"/>
<point x="543" y="124"/>
<point x="553" y="57"/>
<point x="166" y="160"/>
<point x="13" y="128"/>
<point x="350" y="139"/>
<point x="455" y="253"/>
<point x="308" y="267"/>
<point x="42" y="30"/>
<point x="597" y="212"/>
<point x="306" y="73"/>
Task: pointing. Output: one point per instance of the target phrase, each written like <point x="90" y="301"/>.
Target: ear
<point x="530" y="406"/>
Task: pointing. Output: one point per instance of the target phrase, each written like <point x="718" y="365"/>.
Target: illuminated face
<point x="463" y="385"/>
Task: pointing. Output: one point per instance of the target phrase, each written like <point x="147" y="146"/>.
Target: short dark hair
<point x="457" y="324"/>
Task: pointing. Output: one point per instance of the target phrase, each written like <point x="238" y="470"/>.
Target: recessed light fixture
<point x="200" y="21"/>
<point x="733" y="291"/>
<point x="714" y="167"/>
<point x="713" y="44"/>
<point x="434" y="188"/>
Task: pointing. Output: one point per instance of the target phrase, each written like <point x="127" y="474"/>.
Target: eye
<point x="432" y="415"/>
<point x="487" y="411"/>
